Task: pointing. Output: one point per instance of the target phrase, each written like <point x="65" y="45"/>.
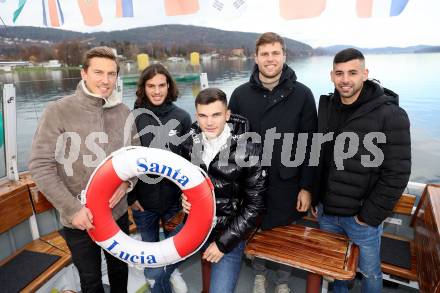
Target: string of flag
<point x="289" y="9"/>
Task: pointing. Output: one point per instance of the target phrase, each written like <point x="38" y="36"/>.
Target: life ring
<point x="129" y="162"/>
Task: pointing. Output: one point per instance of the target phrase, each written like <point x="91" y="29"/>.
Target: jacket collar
<point x="90" y="99"/>
<point x="288" y="76"/>
<point x="237" y="125"/>
<point x="374" y="96"/>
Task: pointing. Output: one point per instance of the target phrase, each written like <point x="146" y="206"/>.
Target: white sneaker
<point x="282" y="288"/>
<point x="260" y="284"/>
<point x="177" y="282"/>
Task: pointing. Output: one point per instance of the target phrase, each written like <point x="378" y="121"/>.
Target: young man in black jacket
<point x="278" y="108"/>
<point x="152" y="202"/>
<point x="358" y="189"/>
<point x="218" y="143"/>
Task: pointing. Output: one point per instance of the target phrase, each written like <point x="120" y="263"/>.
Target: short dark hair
<point x="147" y="74"/>
<point x="270" y="38"/>
<point x="210" y="95"/>
<point x="348" y="55"/>
<point x="100" y="52"/>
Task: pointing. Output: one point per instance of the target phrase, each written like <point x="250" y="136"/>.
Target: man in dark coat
<point x="359" y="188"/>
<point x="278" y="108"/>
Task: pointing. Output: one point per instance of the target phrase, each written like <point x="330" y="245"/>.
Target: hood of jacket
<point x="287" y="75"/>
<point x="372" y="96"/>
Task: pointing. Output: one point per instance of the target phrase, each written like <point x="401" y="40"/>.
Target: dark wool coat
<point x="289" y="108"/>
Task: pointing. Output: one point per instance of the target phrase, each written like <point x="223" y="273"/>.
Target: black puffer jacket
<point x="288" y="108"/>
<point x="238" y="190"/>
<point x="161" y="196"/>
<point x="368" y="192"/>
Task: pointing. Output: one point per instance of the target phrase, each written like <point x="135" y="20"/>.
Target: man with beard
<point x="357" y="198"/>
<point x="277" y="106"/>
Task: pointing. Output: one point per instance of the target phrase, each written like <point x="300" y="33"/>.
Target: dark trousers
<point x="86" y="256"/>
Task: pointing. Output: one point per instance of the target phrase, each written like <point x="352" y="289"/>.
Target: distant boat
<point x="52" y="64"/>
<point x="132" y="79"/>
<point x="176" y="59"/>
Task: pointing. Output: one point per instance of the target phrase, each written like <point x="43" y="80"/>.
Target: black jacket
<point x="368" y="192"/>
<point x="238" y="190"/>
<point x="159" y="197"/>
<point x="289" y="108"/>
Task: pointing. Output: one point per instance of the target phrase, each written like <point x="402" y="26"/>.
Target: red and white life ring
<point x="134" y="161"/>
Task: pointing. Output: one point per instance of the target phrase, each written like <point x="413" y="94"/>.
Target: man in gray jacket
<point x="74" y="135"/>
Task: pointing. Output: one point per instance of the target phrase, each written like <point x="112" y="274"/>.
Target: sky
<point x="315" y="22"/>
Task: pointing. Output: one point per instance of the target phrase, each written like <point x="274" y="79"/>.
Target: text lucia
<point x="163" y="170"/>
<point x="133" y="258"/>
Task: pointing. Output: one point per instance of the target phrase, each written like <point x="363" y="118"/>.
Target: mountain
<point x="167" y="35"/>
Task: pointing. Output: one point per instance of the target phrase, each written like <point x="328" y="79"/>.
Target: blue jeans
<point x="367" y="238"/>
<point x="147" y="223"/>
<point x="224" y="274"/>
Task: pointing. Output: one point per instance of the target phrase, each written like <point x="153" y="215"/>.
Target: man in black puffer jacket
<point x="359" y="188"/>
<point x="233" y="164"/>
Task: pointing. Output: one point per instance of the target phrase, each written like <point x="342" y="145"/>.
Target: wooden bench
<point x="16" y="208"/>
<point x="309" y="248"/>
<point x="392" y="272"/>
<point x="426" y="223"/>
<point x="327" y="254"/>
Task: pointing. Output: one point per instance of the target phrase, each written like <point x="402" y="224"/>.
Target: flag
<point x="124" y="8"/>
<point x="397" y="6"/>
<point x="17" y="12"/>
<point x="380" y="8"/>
<point x="90" y="12"/>
<point x="52" y="10"/>
<point x="226" y="9"/>
<point x="181" y="7"/>
<point x="297" y="9"/>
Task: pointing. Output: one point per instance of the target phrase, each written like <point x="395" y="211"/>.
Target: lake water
<point x="415" y="77"/>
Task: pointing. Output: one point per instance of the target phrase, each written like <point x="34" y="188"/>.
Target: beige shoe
<point x="260" y="284"/>
<point x="282" y="288"/>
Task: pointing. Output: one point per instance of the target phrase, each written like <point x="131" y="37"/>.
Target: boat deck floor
<point x="191" y="273"/>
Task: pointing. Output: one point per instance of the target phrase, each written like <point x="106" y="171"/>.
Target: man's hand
<point x="118" y="194"/>
<point x="212" y="253"/>
<point x="136" y="206"/>
<point x="83" y="219"/>
<point x="185" y="204"/>
<point x="304" y="200"/>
